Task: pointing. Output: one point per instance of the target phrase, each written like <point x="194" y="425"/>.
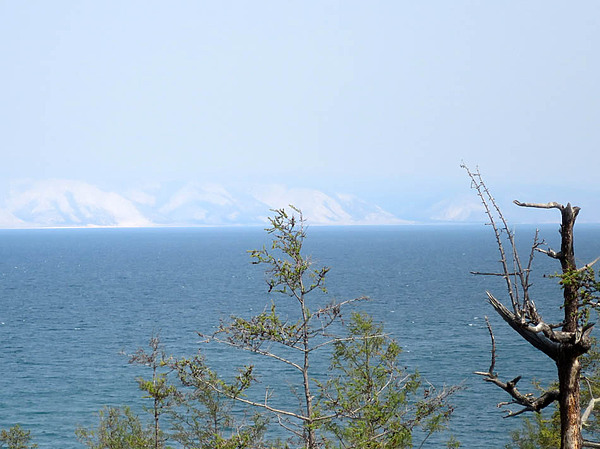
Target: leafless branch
<point x="493" y="363"/>
<point x="296" y="432"/>
<point x="487" y="199"/>
<point x="528" y="401"/>
<point x="517" y="279"/>
<point x="550" y="253"/>
<point x="589" y="265"/>
<point x="529" y="308"/>
<point x="552" y="205"/>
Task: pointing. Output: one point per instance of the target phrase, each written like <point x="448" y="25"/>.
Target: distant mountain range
<point x="68" y="203"/>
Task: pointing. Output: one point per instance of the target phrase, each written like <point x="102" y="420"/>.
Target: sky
<point x="380" y="99"/>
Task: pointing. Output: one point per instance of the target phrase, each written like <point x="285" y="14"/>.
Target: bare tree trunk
<point x="568" y="399"/>
<point x="568" y="359"/>
<point x="567" y="262"/>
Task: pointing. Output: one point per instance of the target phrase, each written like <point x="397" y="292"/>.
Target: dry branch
<point x="589" y="265"/>
<point x="528" y="401"/>
<point x="552" y="205"/>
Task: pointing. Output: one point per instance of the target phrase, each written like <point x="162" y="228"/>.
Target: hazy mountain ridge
<point x="69" y="203"/>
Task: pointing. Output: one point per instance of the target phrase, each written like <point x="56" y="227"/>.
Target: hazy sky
<point x="381" y="98"/>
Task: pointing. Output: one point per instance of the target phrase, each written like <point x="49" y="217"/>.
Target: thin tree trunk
<point x="311" y="437"/>
<point x="311" y="440"/>
<point x="156" y="427"/>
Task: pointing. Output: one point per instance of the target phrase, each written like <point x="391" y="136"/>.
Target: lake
<point x="74" y="299"/>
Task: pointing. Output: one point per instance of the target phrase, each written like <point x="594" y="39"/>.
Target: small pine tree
<point x="377" y="404"/>
<point x="16" y="438"/>
<point x="157" y="388"/>
<point x="119" y="428"/>
<point x="369" y="402"/>
<point x="203" y="418"/>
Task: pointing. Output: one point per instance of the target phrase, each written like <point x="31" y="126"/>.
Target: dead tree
<point x="563" y="342"/>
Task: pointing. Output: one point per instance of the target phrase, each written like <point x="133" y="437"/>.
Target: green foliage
<point x="16" y="438"/>
<point x="453" y="443"/>
<point x="266" y="326"/>
<point x="287" y="265"/>
<point x="118" y="429"/>
<point x="588" y="290"/>
<point x="203" y="418"/>
<point x="157" y="388"/>
<point x="537" y="432"/>
<point x="376" y="404"/>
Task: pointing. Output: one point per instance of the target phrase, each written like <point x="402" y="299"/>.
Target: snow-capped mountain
<point x="52" y="203"/>
<point x="68" y="203"/>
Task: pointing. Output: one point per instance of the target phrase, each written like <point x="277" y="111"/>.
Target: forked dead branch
<point x="563" y="342"/>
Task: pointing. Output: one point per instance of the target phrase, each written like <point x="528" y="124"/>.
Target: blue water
<point x="73" y="300"/>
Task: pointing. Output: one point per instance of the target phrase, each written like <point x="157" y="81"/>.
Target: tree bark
<point x="568" y="361"/>
<point x="567" y="262"/>
<point x="568" y="400"/>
